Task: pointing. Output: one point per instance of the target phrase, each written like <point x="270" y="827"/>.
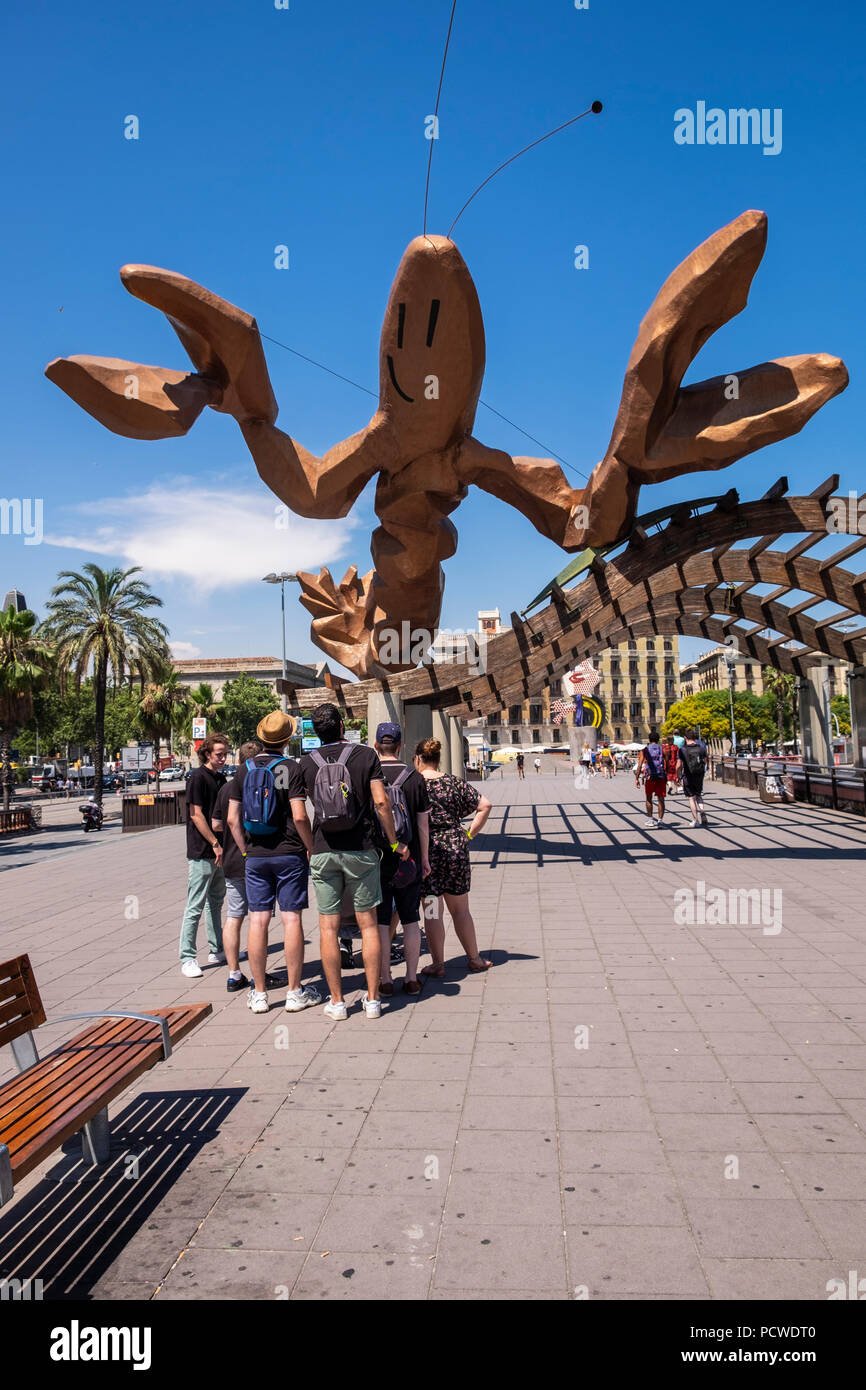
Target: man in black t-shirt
<point x="235" y="875"/>
<point x="693" y="762"/>
<point x="348" y="859"/>
<point x="206" y="881"/>
<point x="401" y="891"/>
<point x="276" y="864"/>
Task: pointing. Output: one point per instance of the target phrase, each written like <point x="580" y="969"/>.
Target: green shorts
<point x="337" y="872"/>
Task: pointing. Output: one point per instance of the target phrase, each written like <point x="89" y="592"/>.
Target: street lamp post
<point x="282" y="580"/>
<point x="730" y="660"/>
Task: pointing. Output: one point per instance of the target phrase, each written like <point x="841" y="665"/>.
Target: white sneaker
<point x="649" y="824"/>
<point x="372" y="1007"/>
<point x="695" y="824"/>
<point x="335" y="1011"/>
<point x="216" y="958"/>
<point x="302" y="998"/>
<point x="257" y="1001"/>
<point x="191" y="968"/>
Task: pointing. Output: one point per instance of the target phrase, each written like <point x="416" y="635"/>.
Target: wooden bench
<point x="69" y="1091"/>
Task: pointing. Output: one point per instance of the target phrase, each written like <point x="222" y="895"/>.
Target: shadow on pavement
<point x="70" y="1228"/>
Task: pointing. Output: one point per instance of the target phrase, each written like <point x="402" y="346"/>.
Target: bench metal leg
<point x="24" y="1051"/>
<point x="5" y="1175"/>
<point x="96" y="1139"/>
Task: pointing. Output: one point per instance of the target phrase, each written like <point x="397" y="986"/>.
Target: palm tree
<point x="163" y="706"/>
<point x="201" y="706"/>
<point x="780" y="684"/>
<point x="24" y="667"/>
<point x="100" y="619"/>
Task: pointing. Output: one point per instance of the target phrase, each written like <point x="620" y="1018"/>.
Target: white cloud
<point x="210" y="534"/>
<point x="184" y="651"/>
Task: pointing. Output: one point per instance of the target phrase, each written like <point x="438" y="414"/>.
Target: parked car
<point x="135" y="779"/>
<point x="171" y="774"/>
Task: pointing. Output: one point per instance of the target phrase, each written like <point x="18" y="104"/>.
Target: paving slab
<point x="625" y="1107"/>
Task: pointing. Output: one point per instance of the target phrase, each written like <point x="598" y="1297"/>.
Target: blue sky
<point x="305" y="127"/>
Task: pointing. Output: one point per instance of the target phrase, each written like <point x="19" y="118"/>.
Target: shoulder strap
<point x="276" y="761"/>
<point x="401" y="777"/>
<point x="344" y="754"/>
<point x="250" y="764"/>
<point x="317" y="758"/>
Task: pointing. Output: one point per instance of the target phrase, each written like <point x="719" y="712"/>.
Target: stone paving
<point x="630" y="1105"/>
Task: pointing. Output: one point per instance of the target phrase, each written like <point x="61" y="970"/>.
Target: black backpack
<point x="694" y="758"/>
<point x="399" y="809"/>
<point x="334" y="799"/>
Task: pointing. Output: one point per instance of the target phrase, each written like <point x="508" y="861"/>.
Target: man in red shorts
<point x="651" y="762"/>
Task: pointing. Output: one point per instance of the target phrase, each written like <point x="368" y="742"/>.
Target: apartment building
<point x="640" y="681"/>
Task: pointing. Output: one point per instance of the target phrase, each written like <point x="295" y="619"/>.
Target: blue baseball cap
<point x="392" y="731"/>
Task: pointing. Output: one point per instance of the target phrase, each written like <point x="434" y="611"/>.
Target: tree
<point x="245" y="702"/>
<point x="781" y="686"/>
<point x="24" y="667"/>
<point x="100" y="620"/>
<point x="839" y="705"/>
<point x="163" y="706"/>
<point x="201" y="706"/>
<point x="710" y="711"/>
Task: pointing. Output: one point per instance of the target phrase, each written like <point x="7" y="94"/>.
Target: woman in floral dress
<point x="451" y="802"/>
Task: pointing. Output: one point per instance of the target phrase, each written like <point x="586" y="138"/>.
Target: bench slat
<point x="54" y="1070"/>
<point x="100" y="1050"/>
<point x="60" y="1124"/>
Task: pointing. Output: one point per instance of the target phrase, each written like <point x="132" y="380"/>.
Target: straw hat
<point x="275" y="729"/>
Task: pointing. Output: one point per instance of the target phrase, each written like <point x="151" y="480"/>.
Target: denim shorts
<point x="277" y="877"/>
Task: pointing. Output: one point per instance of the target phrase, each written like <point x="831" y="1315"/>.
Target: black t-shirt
<point x="417" y="799"/>
<point x="201" y="790"/>
<point x="286" y="839"/>
<point x="693" y="757"/>
<point x="362" y="768"/>
<point x="233" y="864"/>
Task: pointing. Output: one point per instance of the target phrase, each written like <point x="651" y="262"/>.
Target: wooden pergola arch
<point x="694" y="576"/>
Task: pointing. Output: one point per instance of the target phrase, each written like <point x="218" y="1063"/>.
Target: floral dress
<point x="451" y="801"/>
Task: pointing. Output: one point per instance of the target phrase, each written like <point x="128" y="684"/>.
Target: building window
<point x="634" y="688"/>
<point x="669" y="668"/>
<point x="632" y="646"/>
<point x="557" y="734"/>
<point x="669" y="646"/>
<point x="614" y="667"/>
<point x="514" y="714"/>
<point x="536" y="735"/>
<point x="515" y="735"/>
<point x="617" y="711"/>
<point x="634" y="711"/>
<point x="633" y="668"/>
<point x="652" y="710"/>
<point x="614" y="687"/>
<point x="651" y="666"/>
<point x="535" y="714"/>
<point x="493" y="720"/>
<point x="653" y="687"/>
<point x="650" y="645"/>
<point x="494" y="736"/>
<point x="669" y="687"/>
<point x="617" y="733"/>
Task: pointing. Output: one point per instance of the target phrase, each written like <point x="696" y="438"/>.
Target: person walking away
<point x="401" y="878"/>
<point x="346" y="785"/>
<point x="651" y="765"/>
<point x="693" y="764"/>
<point x="671" y="760"/>
<point x="537" y="764"/>
<point x="521" y="767"/>
<point x="268" y="820"/>
<point x="234" y="871"/>
<point x="451" y="802"/>
<point x="606" y="762"/>
<point x="206" y="886"/>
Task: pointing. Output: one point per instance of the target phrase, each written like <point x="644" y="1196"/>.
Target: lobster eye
<point x="431" y="325"/>
<point x="401" y="319"/>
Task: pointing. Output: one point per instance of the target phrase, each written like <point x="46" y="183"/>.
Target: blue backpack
<point x="655" y="761"/>
<point x="260" y="802"/>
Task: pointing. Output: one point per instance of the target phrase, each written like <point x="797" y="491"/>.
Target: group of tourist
<point x="679" y="759"/>
<point x="384" y="837"/>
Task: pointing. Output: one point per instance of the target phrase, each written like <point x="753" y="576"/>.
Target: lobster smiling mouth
<point x="396" y="384"/>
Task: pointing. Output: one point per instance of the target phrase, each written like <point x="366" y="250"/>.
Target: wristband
<point x="394" y="846"/>
<point x="469" y="834"/>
